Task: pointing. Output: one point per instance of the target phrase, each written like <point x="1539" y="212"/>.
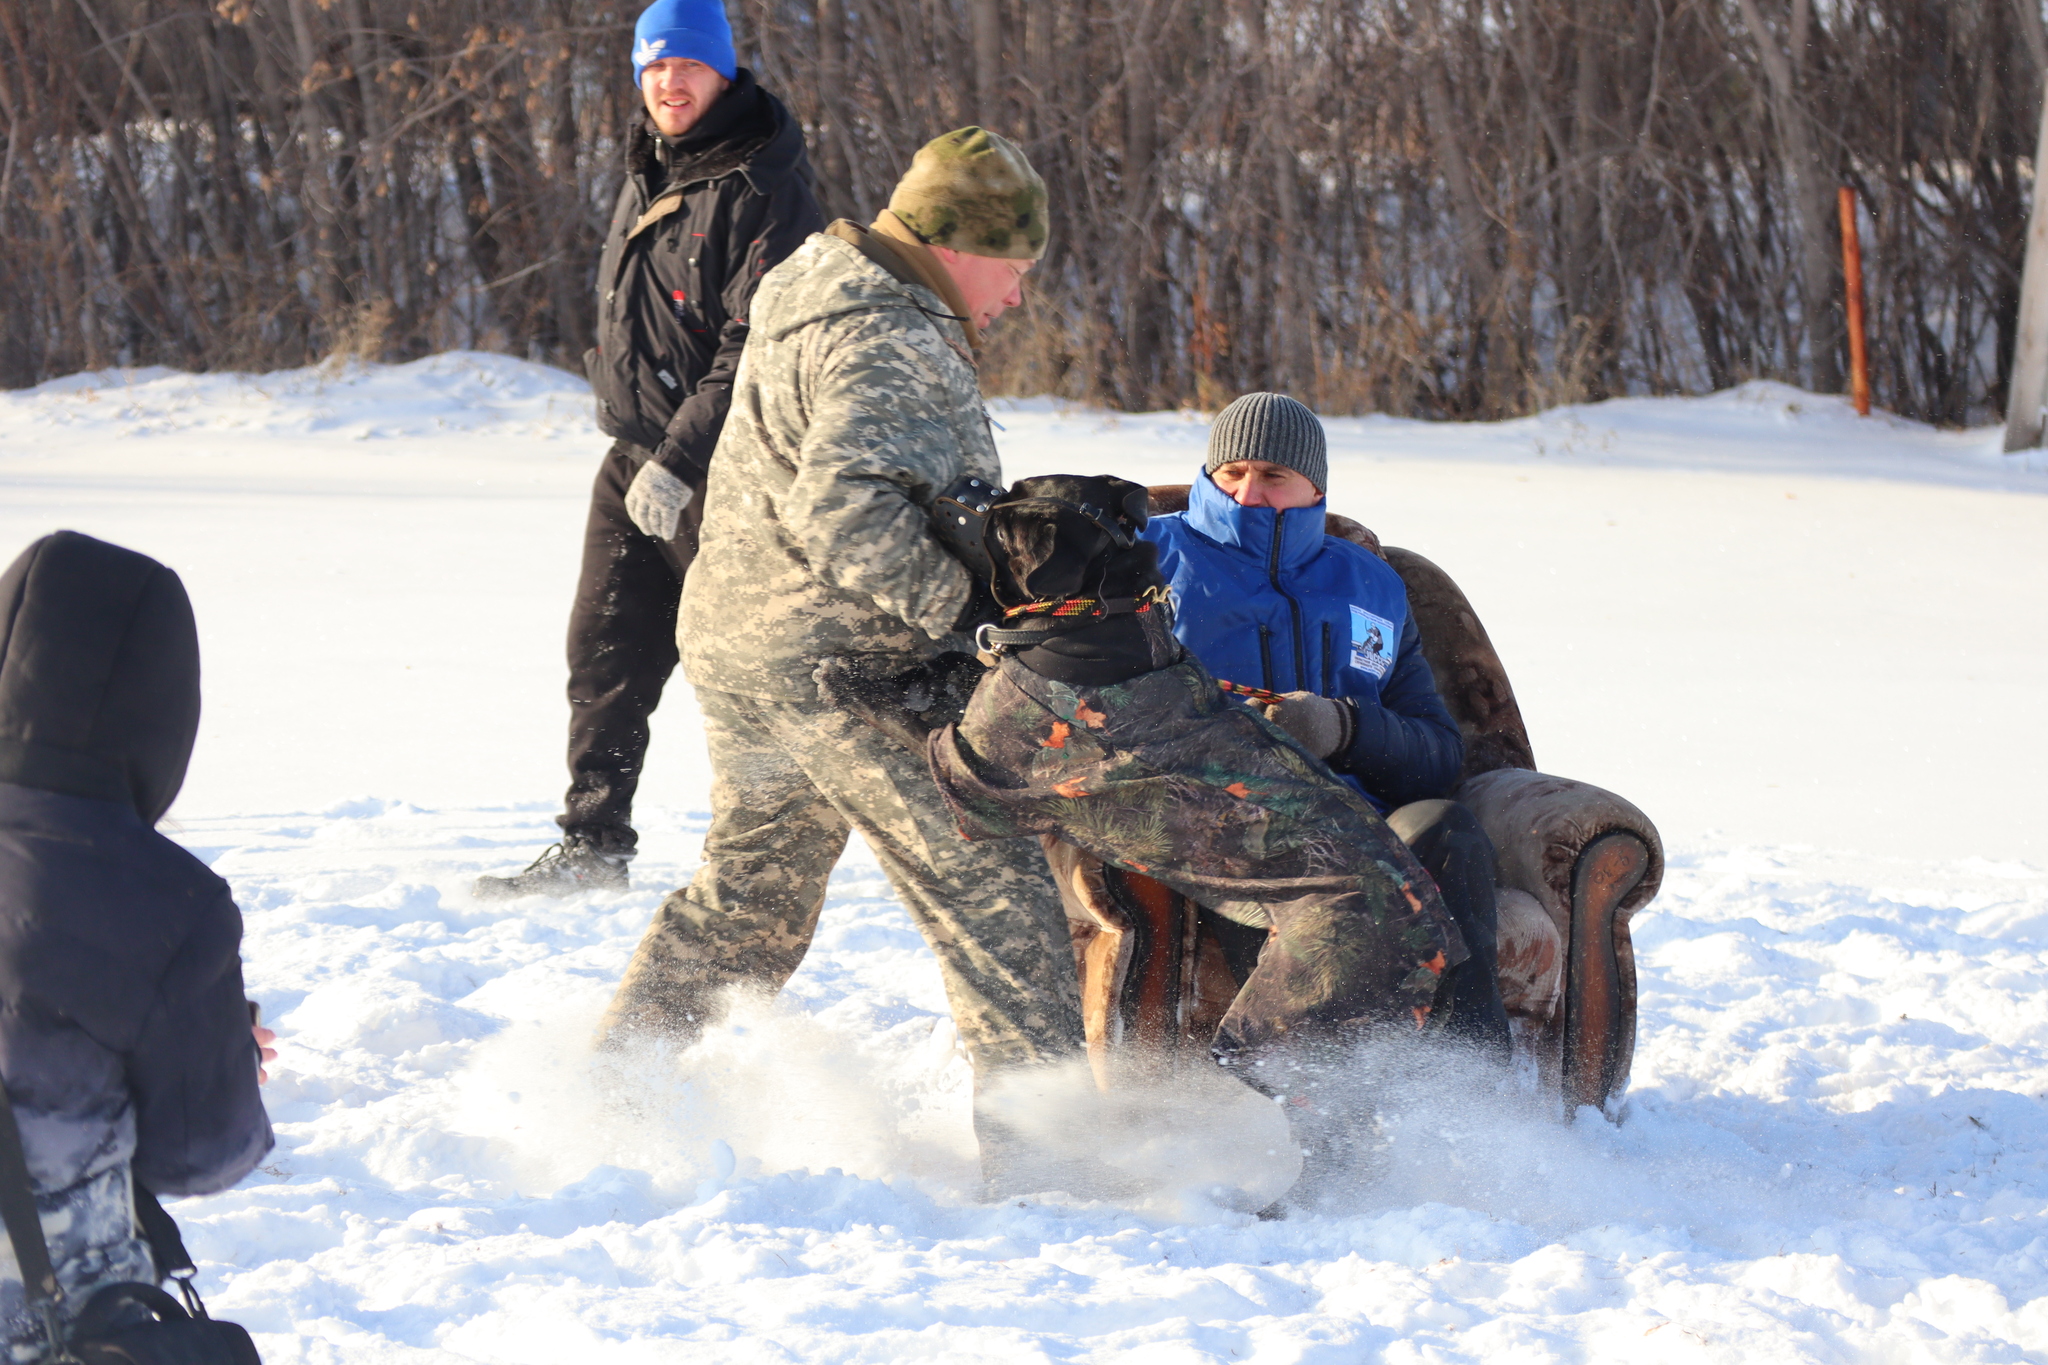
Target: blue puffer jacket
<point x="1266" y="599"/>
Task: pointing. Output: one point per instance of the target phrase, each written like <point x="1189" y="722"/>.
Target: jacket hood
<point x="828" y="276"/>
<point x="782" y="155"/>
<point x="1251" y="529"/>
<point x="99" y="674"/>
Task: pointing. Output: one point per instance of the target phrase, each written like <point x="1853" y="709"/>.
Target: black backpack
<point x="121" y="1324"/>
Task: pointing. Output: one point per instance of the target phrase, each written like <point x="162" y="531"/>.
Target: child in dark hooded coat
<point x="125" y="1037"/>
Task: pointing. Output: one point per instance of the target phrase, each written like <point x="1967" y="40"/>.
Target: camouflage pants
<point x="1166" y="777"/>
<point x="790" y="780"/>
<point x="91" y="1232"/>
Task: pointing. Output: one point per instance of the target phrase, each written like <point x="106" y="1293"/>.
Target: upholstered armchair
<point x="1572" y="862"/>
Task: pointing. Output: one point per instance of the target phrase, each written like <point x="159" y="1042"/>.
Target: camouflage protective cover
<point x="1166" y="777"/>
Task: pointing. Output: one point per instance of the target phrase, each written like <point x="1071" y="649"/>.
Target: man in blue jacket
<point x="1266" y="600"/>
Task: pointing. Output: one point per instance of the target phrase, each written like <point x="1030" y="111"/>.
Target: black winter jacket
<point x="124" y="1033"/>
<point x="698" y="222"/>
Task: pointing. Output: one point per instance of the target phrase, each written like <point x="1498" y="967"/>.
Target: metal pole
<point x="2028" y="384"/>
<point x="1852" y="281"/>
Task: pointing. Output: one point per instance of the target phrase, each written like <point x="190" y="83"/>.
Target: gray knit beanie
<point x="1274" y="428"/>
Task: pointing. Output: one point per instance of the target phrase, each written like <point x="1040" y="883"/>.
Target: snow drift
<point x="1810" y="647"/>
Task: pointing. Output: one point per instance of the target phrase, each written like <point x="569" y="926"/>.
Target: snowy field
<point x="1811" y="647"/>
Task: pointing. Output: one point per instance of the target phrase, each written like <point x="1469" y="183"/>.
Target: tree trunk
<point x="2029" y="383"/>
<point x="1813" y="193"/>
<point x="987" y="19"/>
<point x="1141" y="215"/>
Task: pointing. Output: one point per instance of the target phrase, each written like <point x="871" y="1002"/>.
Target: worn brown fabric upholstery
<point x="1469" y="676"/>
<point x="1540" y="825"/>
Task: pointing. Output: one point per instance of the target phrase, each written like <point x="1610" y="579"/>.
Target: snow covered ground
<point x="1811" y="647"/>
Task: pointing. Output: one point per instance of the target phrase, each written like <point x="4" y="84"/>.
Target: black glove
<point x="673" y="456"/>
<point x="904" y="704"/>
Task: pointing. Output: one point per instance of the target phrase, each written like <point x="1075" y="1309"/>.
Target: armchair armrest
<point x="1542" y="825"/>
<point x="1590" y="859"/>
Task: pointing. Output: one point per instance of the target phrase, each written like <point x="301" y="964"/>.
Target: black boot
<point x="575" y="865"/>
<point x="1342" y="1151"/>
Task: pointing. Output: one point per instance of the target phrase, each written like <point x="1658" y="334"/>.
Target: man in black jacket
<point x="718" y="191"/>
<point x="123" y="1027"/>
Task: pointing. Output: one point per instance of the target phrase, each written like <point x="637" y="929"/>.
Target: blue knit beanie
<point x="696" y="29"/>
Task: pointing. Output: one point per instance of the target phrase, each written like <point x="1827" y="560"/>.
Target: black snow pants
<point x="1449" y="841"/>
<point x="622" y="648"/>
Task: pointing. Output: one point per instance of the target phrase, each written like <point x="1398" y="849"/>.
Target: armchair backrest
<point x="1468" y="672"/>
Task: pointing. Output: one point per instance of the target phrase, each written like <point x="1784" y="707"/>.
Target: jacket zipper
<point x="1293" y="607"/>
<point x="1329" y="669"/>
<point x="1265" y="656"/>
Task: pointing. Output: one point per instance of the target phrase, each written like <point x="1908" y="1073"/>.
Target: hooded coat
<point x="1266" y="599"/>
<point x="124" y="1031"/>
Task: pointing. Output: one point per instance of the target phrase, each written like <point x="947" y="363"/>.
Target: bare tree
<point x="1452" y="208"/>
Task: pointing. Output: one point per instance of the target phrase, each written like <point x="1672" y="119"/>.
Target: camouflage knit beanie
<point x="1274" y="428"/>
<point x="973" y="191"/>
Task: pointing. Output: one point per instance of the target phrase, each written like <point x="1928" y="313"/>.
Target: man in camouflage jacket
<point x="856" y="405"/>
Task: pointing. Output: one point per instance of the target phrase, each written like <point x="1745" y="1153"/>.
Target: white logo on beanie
<point x="648" y="51"/>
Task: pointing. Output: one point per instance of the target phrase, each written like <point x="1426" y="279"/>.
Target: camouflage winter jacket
<point x="856" y="405"/>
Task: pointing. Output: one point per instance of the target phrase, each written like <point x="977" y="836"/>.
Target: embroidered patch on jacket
<point x="1372" y="642"/>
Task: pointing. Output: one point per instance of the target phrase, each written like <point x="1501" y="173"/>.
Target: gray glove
<point x="655" y="501"/>
<point x="1320" y="725"/>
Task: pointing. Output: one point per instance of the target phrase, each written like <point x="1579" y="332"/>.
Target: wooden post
<point x="2028" y="384"/>
<point x="1852" y="280"/>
